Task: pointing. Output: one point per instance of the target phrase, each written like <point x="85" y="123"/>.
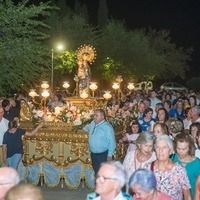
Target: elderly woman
<point x="171" y="177"/>
<point x="142" y="156"/>
<point x="185" y="151"/>
<point x="143" y="185"/>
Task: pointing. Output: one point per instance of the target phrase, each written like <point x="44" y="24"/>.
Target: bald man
<point x="8" y="179"/>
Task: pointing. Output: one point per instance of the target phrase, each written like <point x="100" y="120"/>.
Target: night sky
<point x="181" y="17"/>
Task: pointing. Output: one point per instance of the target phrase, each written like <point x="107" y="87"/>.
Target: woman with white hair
<point x="143" y="185"/>
<point x="142" y="156"/>
<point x="171" y="177"/>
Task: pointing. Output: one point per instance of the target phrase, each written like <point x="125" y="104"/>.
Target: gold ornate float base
<point x="56" y="155"/>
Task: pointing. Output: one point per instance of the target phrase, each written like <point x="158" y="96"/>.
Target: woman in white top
<point x="142" y="156"/>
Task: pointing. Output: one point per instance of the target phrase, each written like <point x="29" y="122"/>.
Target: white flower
<point x="40" y="113"/>
<point x="77" y="122"/>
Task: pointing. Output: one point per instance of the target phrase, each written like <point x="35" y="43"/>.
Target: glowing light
<point x="107" y="95"/>
<point x="130" y="86"/>
<point x="32" y="93"/>
<point x="115" y="86"/>
<point x="44" y="85"/>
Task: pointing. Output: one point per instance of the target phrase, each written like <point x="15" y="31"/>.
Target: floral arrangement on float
<point x="79" y="116"/>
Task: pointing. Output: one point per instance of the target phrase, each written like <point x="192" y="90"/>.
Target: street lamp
<point x="58" y="47"/>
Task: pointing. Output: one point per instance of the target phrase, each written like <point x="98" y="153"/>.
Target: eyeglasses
<point x="103" y="178"/>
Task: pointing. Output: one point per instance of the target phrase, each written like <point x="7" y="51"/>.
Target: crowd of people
<point x="162" y="160"/>
<point x="163" y="156"/>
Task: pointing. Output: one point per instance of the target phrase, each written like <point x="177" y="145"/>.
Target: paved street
<point x="65" y="194"/>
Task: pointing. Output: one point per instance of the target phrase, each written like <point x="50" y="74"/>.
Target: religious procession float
<point x="58" y="154"/>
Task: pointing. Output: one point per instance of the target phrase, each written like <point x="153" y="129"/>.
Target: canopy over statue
<point x="86" y="55"/>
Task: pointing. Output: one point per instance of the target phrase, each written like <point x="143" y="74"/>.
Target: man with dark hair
<point x="102" y="142"/>
<point x="9" y="112"/>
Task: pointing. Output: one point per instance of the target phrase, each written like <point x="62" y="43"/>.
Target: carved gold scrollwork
<point x="44" y="147"/>
<point x="79" y="149"/>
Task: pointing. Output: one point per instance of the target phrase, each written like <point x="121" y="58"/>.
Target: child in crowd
<point x="132" y="135"/>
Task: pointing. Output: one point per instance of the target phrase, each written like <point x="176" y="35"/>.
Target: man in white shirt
<point x="154" y="99"/>
<point x="109" y="182"/>
<point x="194" y="112"/>
<point x="3" y="128"/>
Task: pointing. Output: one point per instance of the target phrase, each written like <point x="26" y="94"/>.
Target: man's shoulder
<point x="4" y="121"/>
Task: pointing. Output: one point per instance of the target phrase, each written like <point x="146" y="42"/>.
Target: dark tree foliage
<point x="23" y="57"/>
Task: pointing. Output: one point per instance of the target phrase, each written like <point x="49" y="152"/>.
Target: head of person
<point x="145" y="143"/>
<point x="160" y="129"/>
<point x="153" y="94"/>
<point x="187" y="113"/>
<point x="184" y="145"/>
<point x="167" y="104"/>
<point x="147" y="102"/>
<point x="8" y="179"/>
<point x="186" y="102"/>
<point x="135" y="126"/>
<point x="162" y="115"/>
<point x="192" y="100"/>
<point x="194" y="128"/>
<point x="180" y="104"/>
<point x="178" y="94"/>
<point x="148" y="113"/>
<point x="195" y="111"/>
<point x="143" y="184"/>
<point x="6" y="104"/>
<point x="158" y="106"/>
<point x="175" y="126"/>
<point x="99" y="116"/>
<point x="110" y="179"/>
<point x="24" y="191"/>
<point x="13" y="125"/>
<point x="1" y="112"/>
<point x="168" y="96"/>
<point x="163" y="147"/>
<point x="141" y="107"/>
